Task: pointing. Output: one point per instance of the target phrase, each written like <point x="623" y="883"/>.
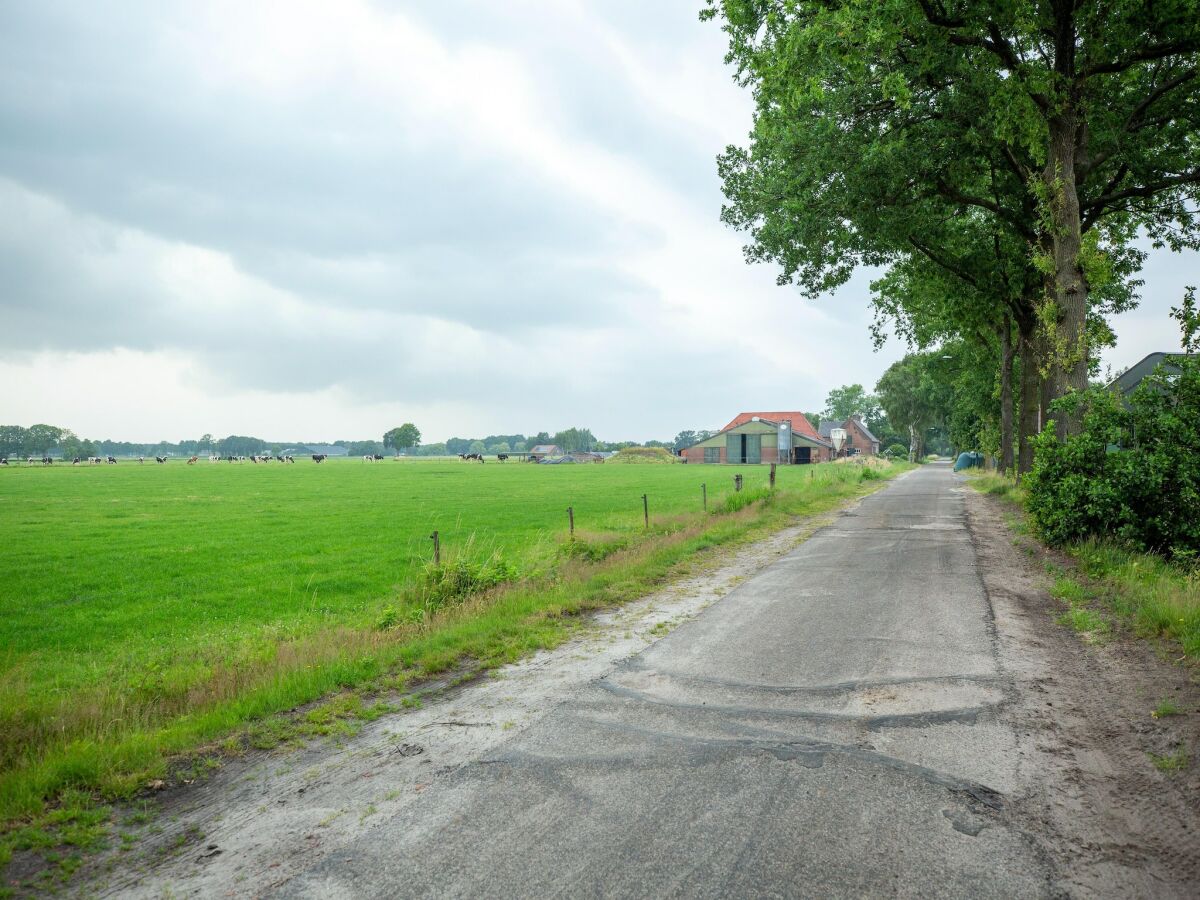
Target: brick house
<point x="859" y="440"/>
<point x="770" y="437"/>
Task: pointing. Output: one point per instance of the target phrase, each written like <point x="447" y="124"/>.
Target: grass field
<point x="147" y="609"/>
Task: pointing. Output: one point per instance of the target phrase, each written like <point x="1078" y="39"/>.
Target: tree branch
<point x="949" y="266"/>
<point x="1146" y="54"/>
<point x="1145" y="190"/>
<point x="951" y="193"/>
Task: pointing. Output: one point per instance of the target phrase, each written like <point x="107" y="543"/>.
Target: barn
<point x="770" y="437"/>
<point x="859" y="440"/>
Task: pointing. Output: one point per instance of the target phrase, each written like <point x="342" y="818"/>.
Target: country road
<point x="874" y="713"/>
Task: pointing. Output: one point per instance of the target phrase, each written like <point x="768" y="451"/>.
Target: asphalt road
<point x="827" y="729"/>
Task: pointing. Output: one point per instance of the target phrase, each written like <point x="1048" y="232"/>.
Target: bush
<point x="1132" y="474"/>
<point x="896" y="451"/>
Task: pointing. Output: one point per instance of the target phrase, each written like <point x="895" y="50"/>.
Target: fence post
<point x="737" y="483"/>
<point x="437" y="549"/>
<point x="646" y="510"/>
<point x="704" y="495"/>
<point x="772" y="476"/>
<point x="571" y="519"/>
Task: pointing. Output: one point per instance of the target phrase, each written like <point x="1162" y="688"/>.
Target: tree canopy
<point x="402" y="437"/>
<point x="1014" y="145"/>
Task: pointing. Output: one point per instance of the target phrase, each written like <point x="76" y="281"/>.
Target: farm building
<point x="542" y="451"/>
<point x="1129" y="380"/>
<point x="753" y="438"/>
<point x="859" y="440"/>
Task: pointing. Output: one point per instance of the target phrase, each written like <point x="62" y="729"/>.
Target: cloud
<point x="313" y="218"/>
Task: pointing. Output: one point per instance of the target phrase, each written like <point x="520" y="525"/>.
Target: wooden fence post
<point x="704" y="495"/>
<point x="437" y="549"/>
<point x="646" y="510"/>
<point x="772" y="476"/>
<point x="571" y="519"/>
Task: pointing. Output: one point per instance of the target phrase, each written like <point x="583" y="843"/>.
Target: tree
<point x="13" y="439"/>
<point x="403" y="437"/>
<point x="852" y="399"/>
<point x="239" y="445"/>
<point x="540" y="439"/>
<point x="40" y="439"/>
<point x="916" y="397"/>
<point x="575" y="439"/>
<point x="477" y="447"/>
<point x="1066" y="126"/>
<point x="689" y="438"/>
<point x="814" y="419"/>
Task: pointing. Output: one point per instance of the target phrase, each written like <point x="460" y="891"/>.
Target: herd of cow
<point x="161" y="460"/>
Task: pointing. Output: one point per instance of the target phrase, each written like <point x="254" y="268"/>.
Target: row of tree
<point x="996" y="157"/>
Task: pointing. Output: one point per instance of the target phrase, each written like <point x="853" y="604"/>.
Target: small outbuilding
<point x="544" y="451"/>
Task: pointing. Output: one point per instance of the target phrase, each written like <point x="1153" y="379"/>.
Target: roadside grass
<point x="1165" y="709"/>
<point x="158" y="614"/>
<point x="1154" y="597"/>
<point x="1171" y="762"/>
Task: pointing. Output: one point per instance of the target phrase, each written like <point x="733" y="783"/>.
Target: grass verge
<point x="1154" y="597"/>
<point x="467" y="610"/>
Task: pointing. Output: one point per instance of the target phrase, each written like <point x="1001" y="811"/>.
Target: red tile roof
<point x="800" y="424"/>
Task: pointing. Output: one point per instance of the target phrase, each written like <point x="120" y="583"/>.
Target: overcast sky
<point x="307" y="220"/>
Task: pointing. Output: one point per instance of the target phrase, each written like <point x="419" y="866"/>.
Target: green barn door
<point x="754" y="448"/>
<point x="733" y="448"/>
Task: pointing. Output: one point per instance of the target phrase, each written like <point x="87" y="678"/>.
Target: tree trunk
<point x="912" y="443"/>
<point x="1006" y="397"/>
<point x="1031" y="402"/>
<point x="1070" y="294"/>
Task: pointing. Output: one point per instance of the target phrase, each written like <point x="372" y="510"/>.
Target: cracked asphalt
<point x="827" y="729"/>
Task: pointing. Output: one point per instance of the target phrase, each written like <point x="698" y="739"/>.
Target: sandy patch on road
<point x="1113" y="824"/>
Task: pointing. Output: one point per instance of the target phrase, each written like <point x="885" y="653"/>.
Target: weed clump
<point x="741" y="499"/>
<point x="593" y="549"/>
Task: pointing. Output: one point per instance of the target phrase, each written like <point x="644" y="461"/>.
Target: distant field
<point x="135" y="597"/>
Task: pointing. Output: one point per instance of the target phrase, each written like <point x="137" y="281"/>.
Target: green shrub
<point x="453" y="582"/>
<point x="896" y="451"/>
<point x="1133" y="473"/>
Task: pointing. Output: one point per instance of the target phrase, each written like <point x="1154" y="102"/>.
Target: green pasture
<point x="144" y="608"/>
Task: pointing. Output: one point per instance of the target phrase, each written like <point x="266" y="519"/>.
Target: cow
<point x="289" y="459"/>
<point x="471" y="456"/>
<point x="320" y="457"/>
<point x="141" y="459"/>
<point x="3" y="460"/>
<point x="502" y="457"/>
<point x="161" y="460"/>
<point x="47" y="461"/>
<point x="111" y="460"/>
<point x="193" y="460"/>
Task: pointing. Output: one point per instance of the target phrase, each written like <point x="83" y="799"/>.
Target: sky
<point x="309" y="220"/>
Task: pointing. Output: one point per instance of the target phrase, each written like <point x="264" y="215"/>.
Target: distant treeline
<point x="37" y="440"/>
